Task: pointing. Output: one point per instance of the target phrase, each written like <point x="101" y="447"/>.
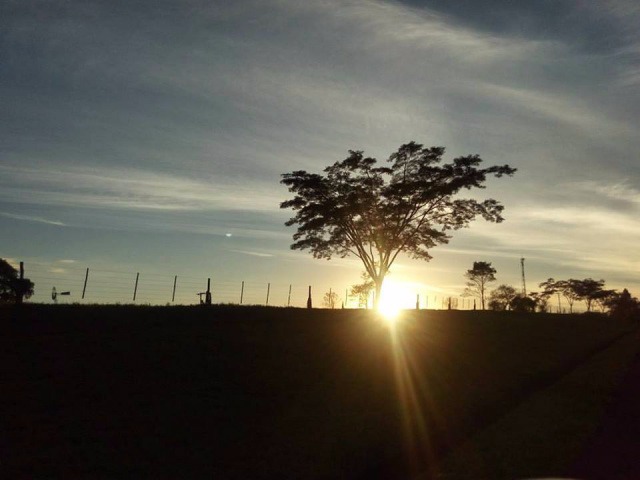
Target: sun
<point x="393" y="299"/>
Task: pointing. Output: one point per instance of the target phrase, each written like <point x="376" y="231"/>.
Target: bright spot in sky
<point x="393" y="299"/>
<point x="227" y="234"/>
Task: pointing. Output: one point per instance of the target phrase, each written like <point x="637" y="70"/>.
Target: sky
<point x="149" y="137"/>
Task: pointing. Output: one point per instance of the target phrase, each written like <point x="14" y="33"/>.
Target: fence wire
<point x="111" y="286"/>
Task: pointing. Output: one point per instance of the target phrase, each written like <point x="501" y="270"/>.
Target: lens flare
<point x="392" y="301"/>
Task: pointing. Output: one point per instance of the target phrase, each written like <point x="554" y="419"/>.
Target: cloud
<point x="254" y="254"/>
<point x="101" y="187"/>
<point x="32" y="219"/>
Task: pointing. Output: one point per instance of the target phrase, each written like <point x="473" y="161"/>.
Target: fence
<point x="101" y="285"/>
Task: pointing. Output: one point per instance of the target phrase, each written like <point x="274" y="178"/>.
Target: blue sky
<point x="135" y="136"/>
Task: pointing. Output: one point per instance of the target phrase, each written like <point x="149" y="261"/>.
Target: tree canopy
<point x="588" y="290"/>
<point x="376" y="212"/>
<point x="478" y="278"/>
<point x="501" y="296"/>
<point x="12" y="288"/>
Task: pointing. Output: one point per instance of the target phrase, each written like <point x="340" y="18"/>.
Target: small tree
<point x="377" y="212"/>
<point x="363" y="290"/>
<point x="12" y="288"/>
<point x="520" y="303"/>
<point x="330" y="299"/>
<point x="500" y="298"/>
<point x="478" y="278"/>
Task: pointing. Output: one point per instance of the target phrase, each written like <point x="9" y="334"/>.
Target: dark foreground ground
<point x="228" y="392"/>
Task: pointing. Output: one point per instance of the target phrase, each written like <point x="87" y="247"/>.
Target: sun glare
<point x="393" y="299"/>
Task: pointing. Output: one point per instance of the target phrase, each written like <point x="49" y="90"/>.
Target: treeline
<point x="591" y="292"/>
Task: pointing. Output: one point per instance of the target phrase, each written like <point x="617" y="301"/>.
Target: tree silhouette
<point x="500" y="297"/>
<point x="623" y="305"/>
<point x="569" y="289"/>
<point x="357" y="208"/>
<point x="604" y="299"/>
<point x="12" y="288"/>
<point x="588" y="290"/>
<point x="522" y="303"/>
<point x="478" y="277"/>
<point x="330" y="299"/>
<point x="363" y="290"/>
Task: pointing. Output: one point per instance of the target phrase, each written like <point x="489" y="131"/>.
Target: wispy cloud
<point x="29" y="218"/>
<point x="129" y="189"/>
<point x="254" y="254"/>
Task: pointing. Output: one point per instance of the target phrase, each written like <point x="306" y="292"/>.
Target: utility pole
<point x="524" y="283"/>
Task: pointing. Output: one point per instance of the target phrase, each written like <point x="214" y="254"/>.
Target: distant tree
<point x="363" y="290"/>
<point x="330" y="299"/>
<point x="623" y="305"/>
<point x="604" y="298"/>
<point x="12" y="288"/>
<point x="569" y="289"/>
<point x="521" y="303"/>
<point x="587" y="290"/>
<point x="375" y="213"/>
<point x="541" y="300"/>
<point x="478" y="278"/>
<point x="501" y="296"/>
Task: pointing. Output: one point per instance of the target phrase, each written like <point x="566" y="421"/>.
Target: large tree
<point x="478" y="279"/>
<point x="376" y="212"/>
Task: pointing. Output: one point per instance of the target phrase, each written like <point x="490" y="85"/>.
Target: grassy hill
<point x="257" y="392"/>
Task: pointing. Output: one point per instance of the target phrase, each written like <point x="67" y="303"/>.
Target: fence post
<point x="417" y="301"/>
<point x="135" y="288"/>
<point x="207" y="296"/>
<point x="241" y="292"/>
<point x="289" y="297"/>
<point x="268" y="289"/>
<point x="175" y="281"/>
<point x="309" y="302"/>
<point x="86" y="277"/>
<point x="20" y="291"/>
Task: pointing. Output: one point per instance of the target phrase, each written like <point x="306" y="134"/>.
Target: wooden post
<point x="207" y="296"/>
<point x="289" y="297"/>
<point x="135" y="288"/>
<point x="417" y="301"/>
<point x="175" y="281"/>
<point x="309" y="302"/>
<point x="86" y="277"/>
<point x="268" y="289"/>
<point x="241" y="292"/>
<point x="20" y="291"/>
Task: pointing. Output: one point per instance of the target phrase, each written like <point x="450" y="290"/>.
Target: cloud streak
<point x="28" y="218"/>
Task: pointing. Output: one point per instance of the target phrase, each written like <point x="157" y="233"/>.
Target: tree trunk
<point x="376" y="298"/>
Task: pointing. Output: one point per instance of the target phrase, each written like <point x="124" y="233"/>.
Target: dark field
<point x="242" y="392"/>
